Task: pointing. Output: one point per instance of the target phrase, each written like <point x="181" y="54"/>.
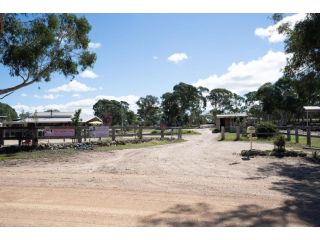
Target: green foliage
<point x="215" y="130"/>
<point x="35" y="46"/>
<point x="148" y="110"/>
<point x="6" y="110"/>
<point x="223" y="100"/>
<point x="76" y="118"/>
<point x="119" y="111"/>
<point x="266" y="130"/>
<point x="184" y="105"/>
<point x="303" y="43"/>
<point x="280" y="142"/>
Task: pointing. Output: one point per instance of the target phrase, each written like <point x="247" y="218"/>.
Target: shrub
<point x="266" y="129"/>
<point x="280" y="143"/>
<point x="215" y="130"/>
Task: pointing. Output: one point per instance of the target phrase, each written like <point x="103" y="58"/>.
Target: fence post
<point x="113" y="137"/>
<point x="1" y="137"/>
<point x="308" y="137"/>
<point x="297" y="135"/>
<point x="222" y="132"/>
<point x="78" y="129"/>
<point x="140" y="132"/>
<point x="180" y="133"/>
<point x="162" y="134"/>
<point x="288" y="135"/>
<point x="238" y="133"/>
<point x="35" y="137"/>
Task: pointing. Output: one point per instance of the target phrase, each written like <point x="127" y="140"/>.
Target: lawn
<point x="69" y="152"/>
<point x="315" y="142"/>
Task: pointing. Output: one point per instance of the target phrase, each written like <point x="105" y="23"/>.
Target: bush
<point x="215" y="130"/>
<point x="280" y="143"/>
<point x="266" y="130"/>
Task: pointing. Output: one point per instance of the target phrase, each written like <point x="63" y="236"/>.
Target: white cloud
<point x="271" y="32"/>
<point x="47" y="96"/>
<point x="76" y="95"/>
<point x="51" y="96"/>
<point x="93" y="45"/>
<point x="178" y="57"/>
<point x="85" y="104"/>
<point x="23" y="95"/>
<point x="89" y="74"/>
<point x="73" y="86"/>
<point x="248" y="76"/>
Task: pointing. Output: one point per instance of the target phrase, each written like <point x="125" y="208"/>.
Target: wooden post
<point x="238" y="133"/>
<point x="296" y="132"/>
<point x="113" y="137"/>
<point x="35" y="137"/>
<point x="308" y="137"/>
<point x="162" y="134"/>
<point x="180" y="133"/>
<point x="222" y="133"/>
<point x="140" y="132"/>
<point x="288" y="135"/>
<point x="78" y="130"/>
<point x="85" y="134"/>
<point x="1" y="137"/>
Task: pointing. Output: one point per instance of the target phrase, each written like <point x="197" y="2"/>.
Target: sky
<point x="142" y="54"/>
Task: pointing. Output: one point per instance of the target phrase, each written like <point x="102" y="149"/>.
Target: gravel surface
<point x="200" y="182"/>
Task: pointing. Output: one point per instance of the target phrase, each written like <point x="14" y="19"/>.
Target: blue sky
<point x="140" y="54"/>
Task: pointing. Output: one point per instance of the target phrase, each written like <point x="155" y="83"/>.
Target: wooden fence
<point x="287" y="131"/>
<point x="33" y="134"/>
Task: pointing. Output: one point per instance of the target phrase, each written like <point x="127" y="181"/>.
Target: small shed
<point x="229" y="121"/>
<point x="92" y="121"/>
<point x="311" y="109"/>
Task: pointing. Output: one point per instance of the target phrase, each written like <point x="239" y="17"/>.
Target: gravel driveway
<point x="200" y="182"/>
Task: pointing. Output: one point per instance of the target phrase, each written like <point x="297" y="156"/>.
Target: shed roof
<point x="312" y="108"/>
<point x="43" y="120"/>
<point x="231" y="115"/>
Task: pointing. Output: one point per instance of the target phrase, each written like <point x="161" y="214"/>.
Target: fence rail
<point x="287" y="131"/>
<point x="79" y="134"/>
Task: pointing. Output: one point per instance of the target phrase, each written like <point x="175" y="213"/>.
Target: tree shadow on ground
<point x="302" y="184"/>
<point x="203" y="215"/>
<point x="299" y="182"/>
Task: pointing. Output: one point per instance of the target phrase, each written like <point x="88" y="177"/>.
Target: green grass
<point x="315" y="142"/>
<point x="52" y="154"/>
<point x="38" y="154"/>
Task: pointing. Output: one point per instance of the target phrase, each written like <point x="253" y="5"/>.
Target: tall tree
<point x="76" y="118"/>
<point x="35" y="46"/>
<point x="220" y="99"/>
<point x="171" y="109"/>
<point x="148" y="110"/>
<point x="121" y="115"/>
<point x="9" y="112"/>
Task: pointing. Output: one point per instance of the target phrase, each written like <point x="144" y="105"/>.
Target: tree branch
<point x="8" y="91"/>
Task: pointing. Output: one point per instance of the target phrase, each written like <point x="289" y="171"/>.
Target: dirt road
<point x="200" y="182"/>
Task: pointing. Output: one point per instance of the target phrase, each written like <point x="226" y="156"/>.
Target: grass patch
<point x="39" y="154"/>
<point x="52" y="154"/>
<point x="315" y="142"/>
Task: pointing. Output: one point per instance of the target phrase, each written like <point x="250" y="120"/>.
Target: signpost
<point x="58" y="132"/>
<point x="251" y="130"/>
<point x="98" y="131"/>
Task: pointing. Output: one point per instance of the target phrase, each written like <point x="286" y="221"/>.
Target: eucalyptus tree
<point x="33" y="47"/>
